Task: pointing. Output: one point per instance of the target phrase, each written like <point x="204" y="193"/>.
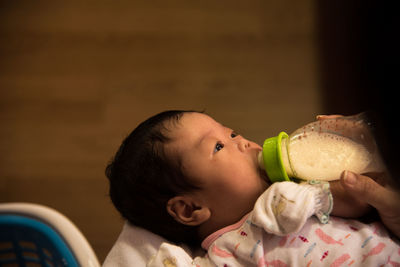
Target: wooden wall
<point x="77" y="76"/>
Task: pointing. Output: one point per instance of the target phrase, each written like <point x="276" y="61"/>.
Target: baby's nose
<point x="243" y="145"/>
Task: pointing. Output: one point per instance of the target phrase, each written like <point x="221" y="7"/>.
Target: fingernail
<point x="350" y="178"/>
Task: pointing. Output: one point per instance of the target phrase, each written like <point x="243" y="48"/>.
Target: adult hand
<point x="345" y="204"/>
<point x="384" y="199"/>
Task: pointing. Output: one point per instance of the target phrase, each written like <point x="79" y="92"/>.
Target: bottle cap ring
<point x="272" y="157"/>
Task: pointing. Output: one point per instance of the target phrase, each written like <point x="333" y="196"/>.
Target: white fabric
<point x="284" y="207"/>
<point x="136" y="246"/>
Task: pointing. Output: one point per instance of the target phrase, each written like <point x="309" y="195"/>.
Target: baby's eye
<point x="218" y="147"/>
<point x="233" y="135"/>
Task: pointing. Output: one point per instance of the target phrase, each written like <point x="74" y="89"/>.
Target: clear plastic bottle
<point x="322" y="150"/>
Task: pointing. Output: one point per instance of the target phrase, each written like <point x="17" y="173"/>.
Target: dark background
<point x="358" y="54"/>
<point x="77" y="76"/>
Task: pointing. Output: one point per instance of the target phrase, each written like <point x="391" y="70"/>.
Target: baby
<point x="184" y="176"/>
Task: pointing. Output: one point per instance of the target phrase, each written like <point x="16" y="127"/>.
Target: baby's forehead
<point x="192" y="126"/>
<point x="197" y="122"/>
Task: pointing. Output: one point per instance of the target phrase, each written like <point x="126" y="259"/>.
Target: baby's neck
<point x="207" y="228"/>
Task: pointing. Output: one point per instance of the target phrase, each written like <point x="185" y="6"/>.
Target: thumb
<point x="366" y="189"/>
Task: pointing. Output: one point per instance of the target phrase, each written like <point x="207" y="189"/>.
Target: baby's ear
<point x="186" y="210"/>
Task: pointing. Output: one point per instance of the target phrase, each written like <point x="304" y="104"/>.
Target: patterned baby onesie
<point x="282" y="231"/>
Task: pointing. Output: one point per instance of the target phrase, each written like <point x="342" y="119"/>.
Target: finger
<point x="324" y="117"/>
<point x="379" y="177"/>
<point x="366" y="189"/>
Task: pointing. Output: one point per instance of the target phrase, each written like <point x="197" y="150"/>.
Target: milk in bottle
<point x="322" y="150"/>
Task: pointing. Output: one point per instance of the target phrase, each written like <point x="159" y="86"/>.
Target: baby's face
<point x="223" y="163"/>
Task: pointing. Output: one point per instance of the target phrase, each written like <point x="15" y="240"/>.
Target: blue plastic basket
<point x="28" y="242"/>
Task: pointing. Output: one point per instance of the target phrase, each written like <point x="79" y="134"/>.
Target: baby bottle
<point x="322" y="150"/>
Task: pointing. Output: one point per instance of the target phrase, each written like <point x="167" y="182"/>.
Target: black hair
<point x="143" y="178"/>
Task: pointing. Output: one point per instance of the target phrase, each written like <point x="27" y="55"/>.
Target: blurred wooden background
<point x="77" y="76"/>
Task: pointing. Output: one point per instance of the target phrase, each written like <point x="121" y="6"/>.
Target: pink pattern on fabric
<point x="327" y="238"/>
<point x="274" y="263"/>
<point x="393" y="263"/>
<point x="339" y="261"/>
<point x="221" y="253"/>
<point x="374" y="251"/>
